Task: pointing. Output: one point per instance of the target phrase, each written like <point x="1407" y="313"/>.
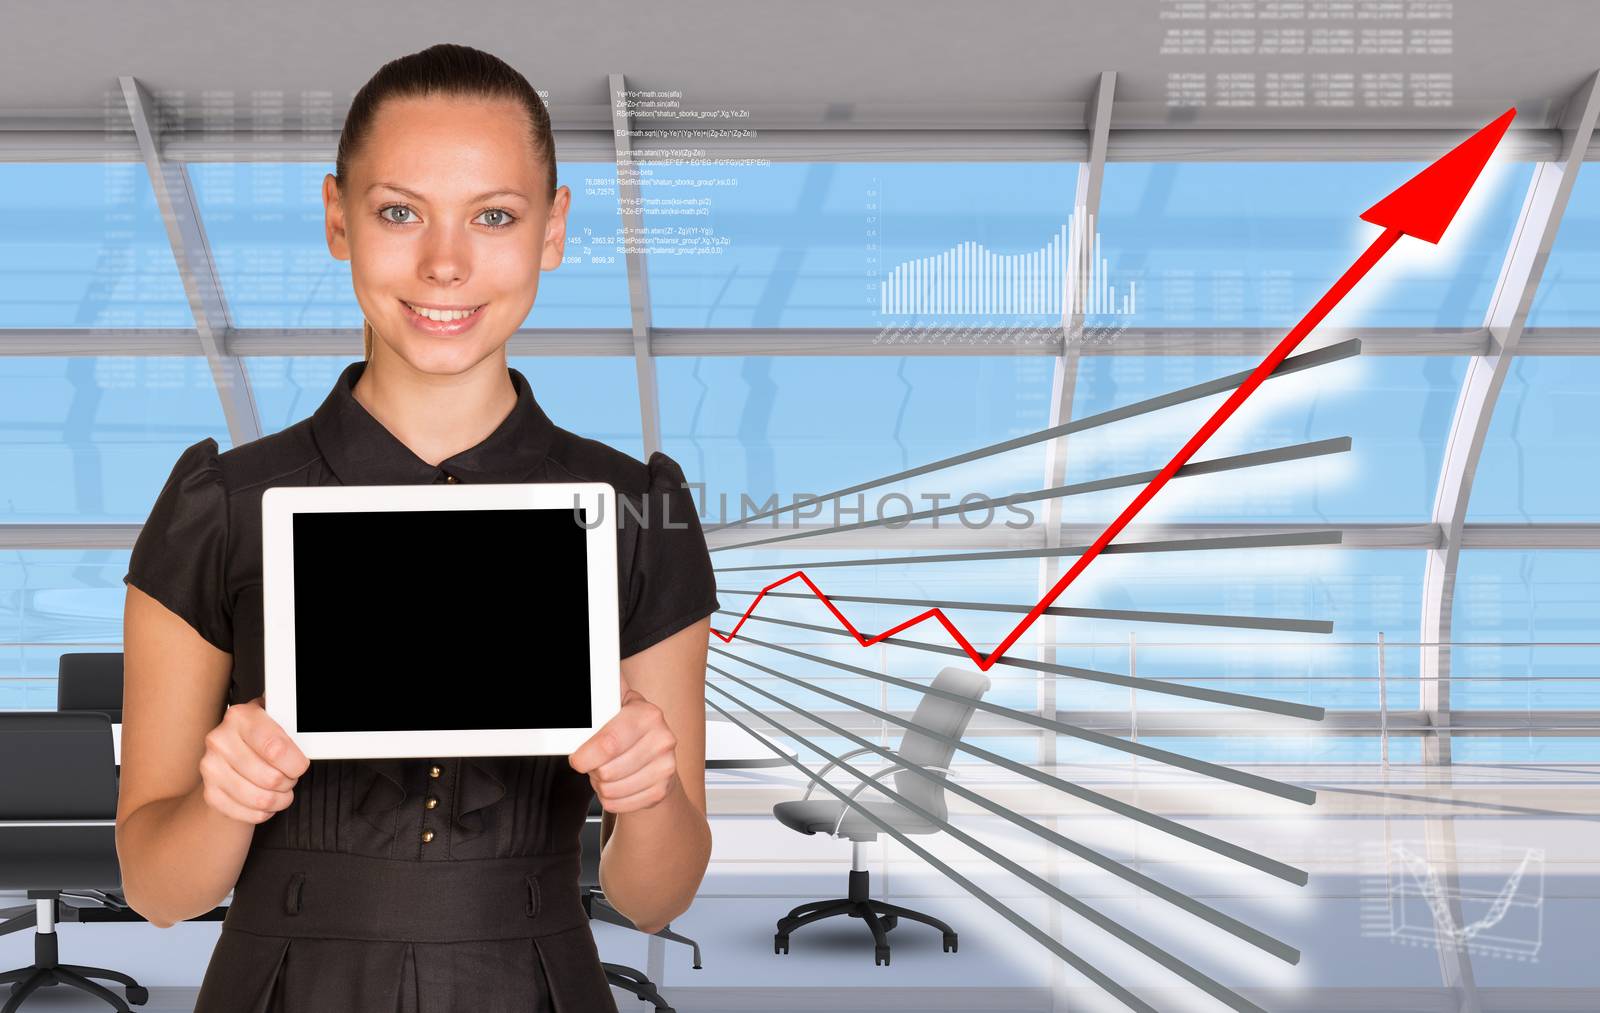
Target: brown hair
<point x="450" y="70"/>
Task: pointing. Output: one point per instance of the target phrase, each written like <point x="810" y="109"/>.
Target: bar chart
<point x="1067" y="275"/>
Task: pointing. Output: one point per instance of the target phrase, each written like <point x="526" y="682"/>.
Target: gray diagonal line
<point x="1292" y="364"/>
<point x="1226" y="849"/>
<point x="1190" y="974"/>
<point x="1221" y="696"/>
<point x="1093" y="973"/>
<point x="1294" y="793"/>
<point x="1185" y="618"/>
<point x="1256" y="458"/>
<point x="1227" y="923"/>
<point x="1270" y="540"/>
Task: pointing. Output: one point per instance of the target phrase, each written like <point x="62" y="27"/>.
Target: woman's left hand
<point x="632" y="761"/>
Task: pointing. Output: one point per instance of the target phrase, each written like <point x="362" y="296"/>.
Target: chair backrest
<point x="589" y="846"/>
<point x="945" y="717"/>
<point x="90" y="682"/>
<point x="56" y="766"/>
<point x="589" y="855"/>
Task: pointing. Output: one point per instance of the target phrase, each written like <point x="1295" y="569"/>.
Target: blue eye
<point x="384" y="217"/>
<point x="390" y="207"/>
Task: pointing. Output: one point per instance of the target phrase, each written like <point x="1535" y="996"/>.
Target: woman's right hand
<point x="250" y="766"/>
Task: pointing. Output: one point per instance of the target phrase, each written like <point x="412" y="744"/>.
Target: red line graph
<point x="1423" y="207"/>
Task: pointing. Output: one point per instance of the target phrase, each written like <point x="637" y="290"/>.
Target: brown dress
<point x="426" y="885"/>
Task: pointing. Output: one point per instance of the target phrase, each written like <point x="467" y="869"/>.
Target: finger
<point x="244" y="793"/>
<point x="254" y="799"/>
<point x="655" y="771"/>
<point x="613" y="739"/>
<point x="219" y="800"/>
<point x="226" y="742"/>
<point x="651" y="796"/>
<point x="654" y="742"/>
<point x="267" y="739"/>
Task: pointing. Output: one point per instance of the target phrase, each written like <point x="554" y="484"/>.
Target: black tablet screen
<point x="438" y="619"/>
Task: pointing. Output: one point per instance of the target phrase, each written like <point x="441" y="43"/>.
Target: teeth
<point x="442" y="316"/>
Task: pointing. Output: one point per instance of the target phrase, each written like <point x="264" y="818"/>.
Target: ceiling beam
<point x="1424" y="535"/>
<point x="631" y="210"/>
<point x="186" y="232"/>
<point x="93" y="143"/>
<point x="1063" y="385"/>
<point x="617" y="341"/>
<point x="1531" y="241"/>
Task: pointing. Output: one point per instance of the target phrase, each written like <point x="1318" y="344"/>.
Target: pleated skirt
<point x="326" y="932"/>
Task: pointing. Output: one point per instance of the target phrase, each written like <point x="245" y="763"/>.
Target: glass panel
<point x="1541" y="457"/>
<point x="289" y="388"/>
<point x="1569" y="289"/>
<point x="94" y="439"/>
<point x="1260" y="749"/>
<point x="53" y="602"/>
<point x="813" y="244"/>
<point x="1395" y="409"/>
<point x="265" y="225"/>
<point x="1219" y="244"/>
<point x="597" y="397"/>
<point x="1010" y="581"/>
<point x="84" y="246"/>
<point x="797" y="426"/>
<point x="1362" y="592"/>
<point x="1537" y="613"/>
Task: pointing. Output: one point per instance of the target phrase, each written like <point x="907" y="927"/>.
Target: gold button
<point x="433" y="771"/>
<point x="449" y="478"/>
<point x="427" y="835"/>
<point x="432" y="802"/>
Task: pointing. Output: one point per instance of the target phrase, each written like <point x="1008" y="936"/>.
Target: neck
<point x="436" y="415"/>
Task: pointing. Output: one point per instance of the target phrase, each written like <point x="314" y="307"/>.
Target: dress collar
<point x="360" y="451"/>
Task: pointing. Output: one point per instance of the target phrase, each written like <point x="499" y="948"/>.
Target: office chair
<point x="93" y="682"/>
<point x="90" y="682"/>
<point x="599" y="909"/>
<point x="58" y="827"/>
<point x="918" y="750"/>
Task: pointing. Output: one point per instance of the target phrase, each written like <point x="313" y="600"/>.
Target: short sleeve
<point x="179" y="557"/>
<point x="671" y="584"/>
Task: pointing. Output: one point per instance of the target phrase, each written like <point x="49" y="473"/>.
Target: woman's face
<point x="450" y="239"/>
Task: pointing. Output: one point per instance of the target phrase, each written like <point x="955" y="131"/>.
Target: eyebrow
<point x="470" y="200"/>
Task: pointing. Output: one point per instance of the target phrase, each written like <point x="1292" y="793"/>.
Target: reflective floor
<point x="1472" y="887"/>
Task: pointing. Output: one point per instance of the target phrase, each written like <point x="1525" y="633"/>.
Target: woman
<point x="430" y="883"/>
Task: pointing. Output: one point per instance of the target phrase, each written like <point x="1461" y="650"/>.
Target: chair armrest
<point x="872" y="779"/>
<point x="832" y="764"/>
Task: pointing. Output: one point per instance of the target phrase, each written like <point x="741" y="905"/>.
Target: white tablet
<point x="440" y="620"/>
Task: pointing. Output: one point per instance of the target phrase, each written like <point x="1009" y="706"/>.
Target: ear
<point x="333" y="219"/>
<point x="555" y="230"/>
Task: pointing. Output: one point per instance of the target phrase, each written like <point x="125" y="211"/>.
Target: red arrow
<point x="1422" y="207"/>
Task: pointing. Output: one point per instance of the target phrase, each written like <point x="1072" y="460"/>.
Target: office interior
<point x="1340" y="752"/>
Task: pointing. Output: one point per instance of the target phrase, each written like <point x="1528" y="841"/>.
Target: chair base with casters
<point x="630" y="979"/>
<point x="47" y="969"/>
<point x="920" y="766"/>
<point x="637" y="983"/>
<point x="880" y="916"/>
<point x="598" y="908"/>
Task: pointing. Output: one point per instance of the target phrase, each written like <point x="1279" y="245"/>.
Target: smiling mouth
<point x="443" y="317"/>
